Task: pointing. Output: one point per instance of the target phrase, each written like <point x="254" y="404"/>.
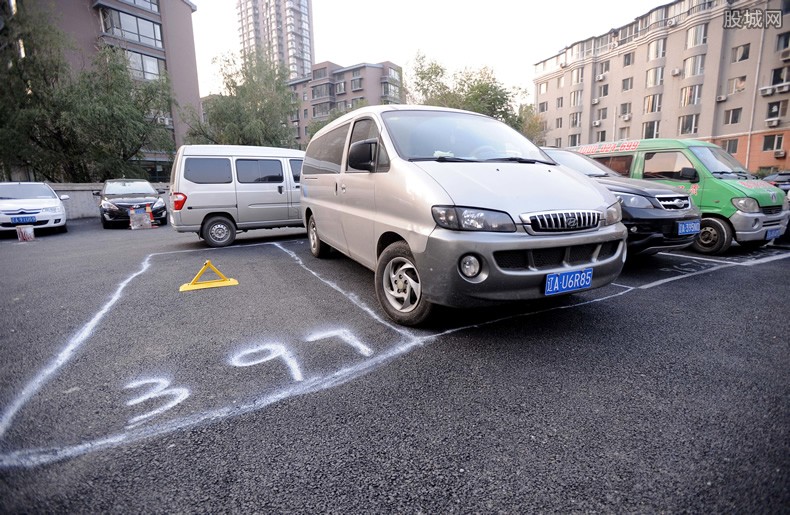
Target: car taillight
<point x="179" y="199"/>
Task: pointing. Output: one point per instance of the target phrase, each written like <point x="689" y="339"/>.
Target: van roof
<point x="239" y="150"/>
<point x="640" y="144"/>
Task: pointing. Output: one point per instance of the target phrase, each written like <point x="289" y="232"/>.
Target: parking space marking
<point x="696" y="258"/>
<point x="159" y="387"/>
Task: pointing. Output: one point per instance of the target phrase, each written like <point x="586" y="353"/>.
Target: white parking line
<point x="695" y="258"/>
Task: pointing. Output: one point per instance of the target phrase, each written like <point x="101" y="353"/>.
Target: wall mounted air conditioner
<point x="597" y="123"/>
<point x="600" y="77"/>
<point x="773" y="122"/>
<point x="783" y="88"/>
<point x="675" y="72"/>
<point x="767" y="91"/>
<point x="595" y="101"/>
<point x="721" y="98"/>
<point x="779" y="154"/>
<point x="627" y="117"/>
<point x="671" y="22"/>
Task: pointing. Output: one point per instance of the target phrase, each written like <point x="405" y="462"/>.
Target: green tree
<point x="530" y="124"/>
<point x="254" y="108"/>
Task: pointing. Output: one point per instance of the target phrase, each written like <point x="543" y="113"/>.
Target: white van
<point x="455" y="208"/>
<point x="217" y="190"/>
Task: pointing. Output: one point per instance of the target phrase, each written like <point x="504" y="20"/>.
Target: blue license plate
<point x="688" y="227"/>
<point x="568" y="281"/>
<point x="23" y="219"/>
<point x="772" y="234"/>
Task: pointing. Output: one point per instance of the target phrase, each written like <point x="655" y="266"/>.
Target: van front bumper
<point x="514" y="266"/>
<point x="755" y="226"/>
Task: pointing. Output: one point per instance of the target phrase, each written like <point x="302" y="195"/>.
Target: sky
<point x="507" y="36"/>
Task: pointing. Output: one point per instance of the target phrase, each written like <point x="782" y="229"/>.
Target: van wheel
<point x="218" y="231"/>
<point x="398" y="286"/>
<point x="317" y="247"/>
<point x="715" y="236"/>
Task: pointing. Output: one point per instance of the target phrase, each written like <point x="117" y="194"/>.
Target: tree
<point x="530" y="124"/>
<point x="254" y="108"/>
<point x="76" y="127"/>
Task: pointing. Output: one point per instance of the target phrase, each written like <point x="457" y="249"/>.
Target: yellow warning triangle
<point x="216" y="283"/>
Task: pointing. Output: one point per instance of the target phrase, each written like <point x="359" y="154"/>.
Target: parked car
<point x="31" y="203"/>
<point x="658" y="217"/>
<point x="118" y="196"/>
<point x="455" y="208"/>
<point x="781" y="180"/>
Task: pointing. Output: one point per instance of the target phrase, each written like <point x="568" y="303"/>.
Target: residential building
<point x="157" y="38"/>
<point x="716" y="70"/>
<point x="281" y="29"/>
<point x="332" y="88"/>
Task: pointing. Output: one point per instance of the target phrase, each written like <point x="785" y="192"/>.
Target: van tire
<point x="318" y="248"/>
<point x="715" y="236"/>
<point x="396" y="275"/>
<point x="218" y="231"/>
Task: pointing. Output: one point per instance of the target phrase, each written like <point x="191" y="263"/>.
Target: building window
<point x="575" y="120"/>
<point x="777" y="109"/>
<point x="740" y="53"/>
<point x="558" y="142"/>
<point x="356" y="84"/>
<point x="653" y="103"/>
<point x="394" y="74"/>
<point x="625" y="108"/>
<point x="577" y="76"/>
<point x="543" y="107"/>
<point x="780" y="75"/>
<point x="390" y="90"/>
<point x="319" y="73"/>
<point x="657" y="49"/>
<point x="732" y="116"/>
<point x="736" y="85"/>
<point x="131" y="27"/>
<point x="558" y="123"/>
<point x="783" y="41"/>
<point x="600" y="136"/>
<point x="603" y="90"/>
<point x="688" y="124"/>
<point x="655" y="77"/>
<point x="544" y="125"/>
<point x="650" y="130"/>
<point x="559" y="102"/>
<point x="573" y="140"/>
<point x="772" y="142"/>
<point x="697" y="35"/>
<point x="691" y="95"/>
<point x="576" y="98"/>
<point x="561" y="81"/>
<point x="356" y="73"/>
<point x="694" y="66"/>
<point x="602" y="113"/>
<point x="543" y="87"/>
<point x="150" y="5"/>
<point x="624" y="133"/>
<point x="340" y="87"/>
<point x="730" y="145"/>
<point x="603" y="67"/>
<point x="628" y="84"/>
<point x="145" y="67"/>
<point x="628" y="59"/>
<point x="321" y="91"/>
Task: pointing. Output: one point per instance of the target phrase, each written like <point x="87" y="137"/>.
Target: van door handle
<point x="342" y="188"/>
<point x="280" y="189"/>
<point x="297" y="186"/>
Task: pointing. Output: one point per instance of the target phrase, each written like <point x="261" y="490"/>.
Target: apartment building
<point x="281" y="29"/>
<point x="157" y="38"/>
<point x="333" y="88"/>
<point x="716" y="70"/>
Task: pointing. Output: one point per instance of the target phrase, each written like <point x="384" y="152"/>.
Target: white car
<point x="31" y="203"/>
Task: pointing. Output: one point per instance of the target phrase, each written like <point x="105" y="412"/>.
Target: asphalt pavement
<point x="665" y="391"/>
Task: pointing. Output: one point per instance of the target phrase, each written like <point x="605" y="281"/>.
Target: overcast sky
<point x="508" y="36"/>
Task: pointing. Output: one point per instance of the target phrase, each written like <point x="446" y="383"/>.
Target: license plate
<point x="689" y="227"/>
<point x="772" y="234"/>
<point x="23" y="219"/>
<point x="568" y="281"/>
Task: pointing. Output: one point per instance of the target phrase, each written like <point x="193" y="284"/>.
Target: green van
<point x="735" y="205"/>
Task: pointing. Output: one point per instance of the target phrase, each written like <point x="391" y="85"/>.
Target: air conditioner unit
<point x="767" y="91"/>
<point x="671" y="22"/>
<point x="783" y="88"/>
<point x="597" y="123"/>
<point x="595" y="101"/>
<point x="779" y="154"/>
<point x="773" y="122"/>
<point x="164" y="120"/>
<point x="600" y="77"/>
<point x="721" y="98"/>
<point x="615" y="43"/>
<point x="675" y="72"/>
<point x="785" y="55"/>
<point x="627" y="117"/>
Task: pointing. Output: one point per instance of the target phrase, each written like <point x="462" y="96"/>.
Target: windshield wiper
<point x="444" y="159"/>
<point x="512" y="159"/>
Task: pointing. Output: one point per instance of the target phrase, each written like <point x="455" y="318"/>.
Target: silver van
<point x="455" y="208"/>
<point x="217" y="190"/>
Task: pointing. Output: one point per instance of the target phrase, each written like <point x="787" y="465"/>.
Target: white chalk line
<point x="39" y="456"/>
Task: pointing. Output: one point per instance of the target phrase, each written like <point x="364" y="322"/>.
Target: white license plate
<point x="688" y="227"/>
<point x="564" y="282"/>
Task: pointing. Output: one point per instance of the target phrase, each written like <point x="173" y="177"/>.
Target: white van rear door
<point x="261" y="190"/>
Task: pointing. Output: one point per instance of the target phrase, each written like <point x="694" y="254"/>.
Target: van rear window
<point x="207" y="170"/>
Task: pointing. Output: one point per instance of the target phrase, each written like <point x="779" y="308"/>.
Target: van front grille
<point x="771" y="210"/>
<point x="562" y="221"/>
<point x="557" y="257"/>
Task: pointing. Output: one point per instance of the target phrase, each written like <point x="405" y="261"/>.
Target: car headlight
<point x="53" y="210"/>
<point x="472" y="219"/>
<point x="746" y="204"/>
<point x="635" y="201"/>
<point x="613" y="214"/>
<point x="106" y="204"/>
<point x="159" y="203"/>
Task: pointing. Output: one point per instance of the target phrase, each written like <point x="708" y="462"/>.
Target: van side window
<point x="325" y="153"/>
<point x="296" y="169"/>
<point x="207" y="170"/>
<point x="259" y="170"/>
<point x="366" y="129"/>
<point x="619" y="164"/>
<point x="665" y="165"/>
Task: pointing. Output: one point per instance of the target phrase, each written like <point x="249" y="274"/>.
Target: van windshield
<point x="455" y="136"/>
<point x="720" y="163"/>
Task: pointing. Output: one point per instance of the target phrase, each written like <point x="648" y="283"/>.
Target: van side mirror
<point x="97" y="194"/>
<point x="362" y="155"/>
<point x="689" y="174"/>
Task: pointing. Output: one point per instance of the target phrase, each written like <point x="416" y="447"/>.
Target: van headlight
<point x="635" y="201"/>
<point x="746" y="204"/>
<point x="613" y="214"/>
<point x="472" y="219"/>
